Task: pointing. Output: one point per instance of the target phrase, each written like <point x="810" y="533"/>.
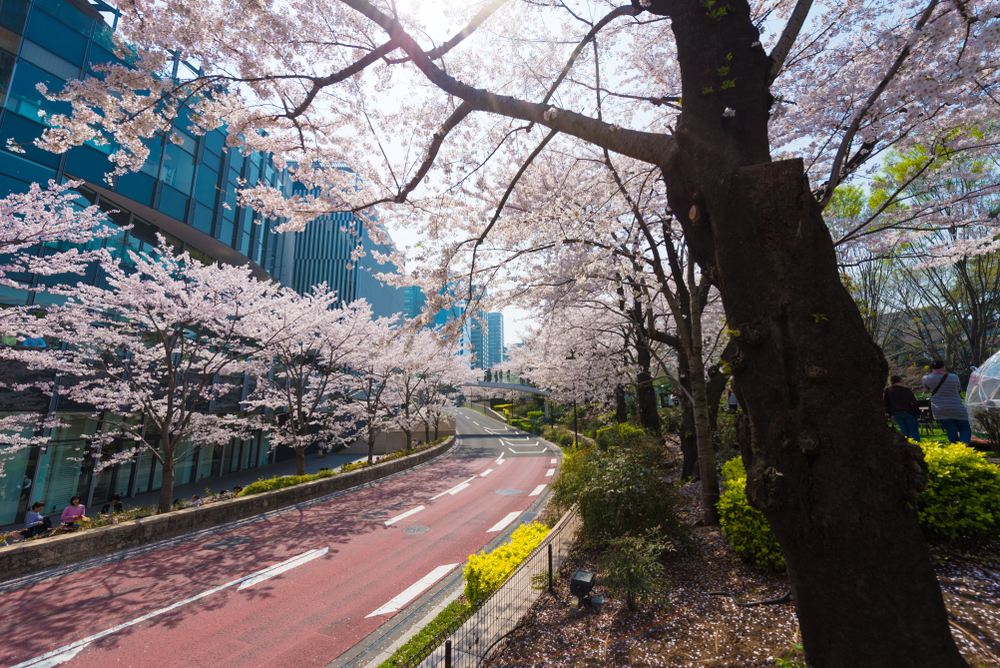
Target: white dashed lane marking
<point x="413" y="591"/>
<point x="538" y="490"/>
<point x="505" y="522"/>
<point x="404" y="515"/>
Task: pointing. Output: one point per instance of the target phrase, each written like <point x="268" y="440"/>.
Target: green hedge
<point x="962" y="499"/>
<point x="745" y="527"/>
<point x="961" y="502"/>
<point x="619" y="435"/>
<point x="485" y="572"/>
<point x="282" y="481"/>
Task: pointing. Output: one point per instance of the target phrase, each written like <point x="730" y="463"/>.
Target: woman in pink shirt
<point x="73" y="512"/>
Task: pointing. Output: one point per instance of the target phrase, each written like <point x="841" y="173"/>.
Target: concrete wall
<point x="36" y="555"/>
<point x="394" y="440"/>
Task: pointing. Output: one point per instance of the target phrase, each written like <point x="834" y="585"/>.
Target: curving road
<point x="300" y="589"/>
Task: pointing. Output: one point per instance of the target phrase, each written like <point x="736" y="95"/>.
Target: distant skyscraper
<point x="413" y="301"/>
<point x="323" y="253"/>
<point x="494" y="339"/>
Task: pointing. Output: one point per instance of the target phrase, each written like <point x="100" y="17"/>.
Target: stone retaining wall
<point x="36" y="555"/>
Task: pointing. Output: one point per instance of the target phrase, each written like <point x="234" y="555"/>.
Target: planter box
<point x="37" y="555"/>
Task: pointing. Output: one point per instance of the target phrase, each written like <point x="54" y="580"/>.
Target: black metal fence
<point x="475" y="639"/>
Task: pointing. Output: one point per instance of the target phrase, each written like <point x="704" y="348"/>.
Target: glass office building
<point x="186" y="191"/>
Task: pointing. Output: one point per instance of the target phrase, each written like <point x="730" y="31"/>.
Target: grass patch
<point x="456" y="612"/>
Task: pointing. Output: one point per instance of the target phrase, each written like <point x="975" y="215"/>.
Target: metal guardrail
<point x="479" y="636"/>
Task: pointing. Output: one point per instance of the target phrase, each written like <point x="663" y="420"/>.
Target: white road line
<point x="548" y="474"/>
<point x="512" y="450"/>
<point x="500" y="458"/>
<point x="502" y="524"/>
<point x="485" y="473"/>
<point x="538" y="490"/>
<point x="553" y="461"/>
<point x="67" y="652"/>
<point x="457" y="488"/>
<point x="500" y="461"/>
<point x="404" y="515"/>
<point x="414" y="590"/>
<point x="285" y="566"/>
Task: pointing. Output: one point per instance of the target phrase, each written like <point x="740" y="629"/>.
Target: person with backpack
<point x="947" y="406"/>
<point x="902" y="406"/>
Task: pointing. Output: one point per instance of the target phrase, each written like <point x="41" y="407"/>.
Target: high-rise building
<point x="186" y="191"/>
<point x="494" y="340"/>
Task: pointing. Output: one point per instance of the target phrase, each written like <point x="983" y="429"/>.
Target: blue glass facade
<point x="186" y="191"/>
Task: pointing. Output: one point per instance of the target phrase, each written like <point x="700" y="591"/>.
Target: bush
<point x="745" y="527"/>
<point x="486" y="572"/>
<point x="724" y="434"/>
<point x="670" y="420"/>
<point x="962" y="499"/>
<point x="622" y="492"/>
<point x="632" y="569"/>
<point x="280" y="482"/>
<point x="619" y="436"/>
<point x="536" y="416"/>
<point x="989" y="422"/>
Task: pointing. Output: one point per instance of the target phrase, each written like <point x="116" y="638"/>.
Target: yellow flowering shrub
<point x="962" y="499"/>
<point x="486" y="572"/>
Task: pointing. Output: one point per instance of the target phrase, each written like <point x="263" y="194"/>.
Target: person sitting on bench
<point x="35" y="523"/>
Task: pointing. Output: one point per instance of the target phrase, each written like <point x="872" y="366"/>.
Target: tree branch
<point x="652" y="148"/>
<point x="788" y="36"/>
<point x="845" y="145"/>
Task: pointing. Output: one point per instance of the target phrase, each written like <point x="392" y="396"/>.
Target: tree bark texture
<point x="165" y="501"/>
<point x="838" y="487"/>
<point x="645" y="394"/>
<point x="300" y="460"/>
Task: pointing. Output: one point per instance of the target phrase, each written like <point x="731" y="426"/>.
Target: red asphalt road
<point x="306" y="616"/>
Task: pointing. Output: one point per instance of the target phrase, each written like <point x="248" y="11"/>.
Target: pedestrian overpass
<point x="508" y="382"/>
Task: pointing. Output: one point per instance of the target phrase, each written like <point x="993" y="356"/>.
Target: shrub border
<point x="37" y="555"/>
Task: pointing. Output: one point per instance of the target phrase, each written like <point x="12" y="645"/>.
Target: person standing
<point x="902" y="406"/>
<point x="947" y="406"/>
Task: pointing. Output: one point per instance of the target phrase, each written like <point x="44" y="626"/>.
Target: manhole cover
<point x="226" y="543"/>
<point x="509" y="492"/>
<point x="372" y="516"/>
<point x="413" y="530"/>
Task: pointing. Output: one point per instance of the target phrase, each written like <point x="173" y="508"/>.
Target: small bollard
<point x="447" y="653"/>
<point x="550" y="568"/>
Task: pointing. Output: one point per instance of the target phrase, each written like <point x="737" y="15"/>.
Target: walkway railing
<point x="481" y="635"/>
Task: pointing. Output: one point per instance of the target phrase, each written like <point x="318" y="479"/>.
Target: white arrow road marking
<point x="404" y="515"/>
<point x="414" y="590"/>
<point x="485" y="473"/>
<point x="538" y="490"/>
<point x="284" y="566"/>
<point x="548" y="474"/>
<point x="502" y="524"/>
<point x="67" y="652"/>
<point x="57" y="659"/>
<point x="457" y="488"/>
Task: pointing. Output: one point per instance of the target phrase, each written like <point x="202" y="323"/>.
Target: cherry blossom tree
<point x="737" y="105"/>
<point x="375" y="400"/>
<point x="155" y="348"/>
<point x="304" y="373"/>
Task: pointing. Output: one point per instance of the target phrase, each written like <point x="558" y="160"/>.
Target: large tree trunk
<point x="645" y="395"/>
<point x="621" y="408"/>
<point x="300" y="460"/>
<point x="838" y="487"/>
<point x="699" y="403"/>
<point x="165" y="501"/>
